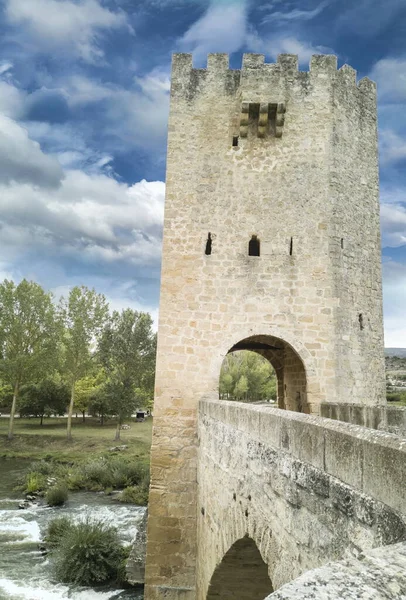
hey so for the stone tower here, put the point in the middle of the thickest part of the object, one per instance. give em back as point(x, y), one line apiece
point(271, 243)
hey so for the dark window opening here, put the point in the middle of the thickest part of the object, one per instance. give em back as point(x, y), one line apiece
point(342, 243)
point(235, 141)
point(361, 321)
point(208, 245)
point(254, 246)
point(291, 247)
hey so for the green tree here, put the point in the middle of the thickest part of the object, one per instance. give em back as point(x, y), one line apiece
point(29, 333)
point(85, 390)
point(84, 315)
point(247, 375)
point(127, 350)
point(48, 397)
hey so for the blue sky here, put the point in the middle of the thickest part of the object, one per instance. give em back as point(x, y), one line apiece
point(83, 108)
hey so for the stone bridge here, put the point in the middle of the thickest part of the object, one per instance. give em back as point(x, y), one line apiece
point(280, 493)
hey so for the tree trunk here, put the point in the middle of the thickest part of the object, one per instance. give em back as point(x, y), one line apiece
point(102, 419)
point(12, 412)
point(83, 415)
point(42, 416)
point(117, 436)
point(70, 411)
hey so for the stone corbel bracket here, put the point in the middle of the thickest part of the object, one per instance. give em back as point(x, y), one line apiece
point(267, 113)
point(280, 119)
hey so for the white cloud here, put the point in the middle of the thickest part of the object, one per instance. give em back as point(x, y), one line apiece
point(222, 28)
point(292, 15)
point(272, 46)
point(22, 160)
point(12, 99)
point(91, 217)
point(390, 75)
point(393, 222)
point(394, 278)
point(136, 115)
point(65, 24)
point(392, 147)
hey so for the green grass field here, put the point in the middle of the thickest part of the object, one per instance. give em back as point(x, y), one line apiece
point(89, 439)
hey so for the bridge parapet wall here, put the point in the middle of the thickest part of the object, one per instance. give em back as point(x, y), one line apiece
point(306, 489)
point(378, 574)
point(384, 417)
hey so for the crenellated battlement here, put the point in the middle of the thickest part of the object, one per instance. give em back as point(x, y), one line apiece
point(323, 66)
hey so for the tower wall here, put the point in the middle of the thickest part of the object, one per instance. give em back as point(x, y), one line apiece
point(289, 157)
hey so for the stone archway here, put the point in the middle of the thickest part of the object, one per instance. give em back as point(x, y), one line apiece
point(241, 574)
point(288, 365)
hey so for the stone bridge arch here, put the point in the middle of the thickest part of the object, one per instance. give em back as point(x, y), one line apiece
point(292, 361)
point(242, 574)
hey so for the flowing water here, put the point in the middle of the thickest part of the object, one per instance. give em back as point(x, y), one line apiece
point(25, 574)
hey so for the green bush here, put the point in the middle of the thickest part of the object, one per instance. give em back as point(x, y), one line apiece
point(135, 494)
point(396, 397)
point(57, 495)
point(89, 553)
point(43, 467)
point(34, 482)
point(57, 529)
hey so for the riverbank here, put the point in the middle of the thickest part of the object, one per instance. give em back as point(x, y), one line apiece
point(36, 442)
point(25, 573)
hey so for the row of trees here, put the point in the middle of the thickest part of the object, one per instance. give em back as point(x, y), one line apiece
point(73, 354)
point(247, 377)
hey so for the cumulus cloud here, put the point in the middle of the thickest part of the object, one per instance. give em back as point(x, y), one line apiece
point(65, 24)
point(393, 222)
point(288, 16)
point(390, 75)
point(223, 28)
point(93, 217)
point(22, 160)
point(392, 146)
point(394, 278)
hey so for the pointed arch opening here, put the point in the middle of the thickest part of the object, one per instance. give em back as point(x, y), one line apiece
point(241, 574)
point(247, 380)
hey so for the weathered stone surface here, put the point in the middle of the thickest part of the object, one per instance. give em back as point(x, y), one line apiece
point(299, 515)
point(136, 561)
point(379, 574)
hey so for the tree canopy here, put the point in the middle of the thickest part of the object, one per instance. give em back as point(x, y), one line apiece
point(29, 330)
point(248, 377)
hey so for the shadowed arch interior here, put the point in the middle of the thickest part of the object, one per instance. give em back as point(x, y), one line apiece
point(289, 368)
point(241, 574)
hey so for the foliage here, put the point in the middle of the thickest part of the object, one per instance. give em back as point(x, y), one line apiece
point(135, 494)
point(86, 389)
point(57, 529)
point(35, 482)
point(88, 553)
point(57, 495)
point(127, 349)
point(84, 314)
point(247, 376)
point(46, 398)
point(399, 397)
point(28, 336)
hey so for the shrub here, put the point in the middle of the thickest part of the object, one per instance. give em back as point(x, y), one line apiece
point(34, 482)
point(135, 494)
point(57, 529)
point(89, 553)
point(43, 467)
point(57, 495)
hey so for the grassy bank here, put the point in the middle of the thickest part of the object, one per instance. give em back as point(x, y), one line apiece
point(89, 438)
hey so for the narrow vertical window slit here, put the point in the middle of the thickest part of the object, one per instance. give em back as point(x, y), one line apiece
point(208, 245)
point(235, 141)
point(291, 247)
point(254, 246)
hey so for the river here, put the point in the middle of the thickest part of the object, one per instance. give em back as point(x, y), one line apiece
point(25, 573)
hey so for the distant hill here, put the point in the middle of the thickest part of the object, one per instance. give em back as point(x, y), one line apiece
point(401, 352)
